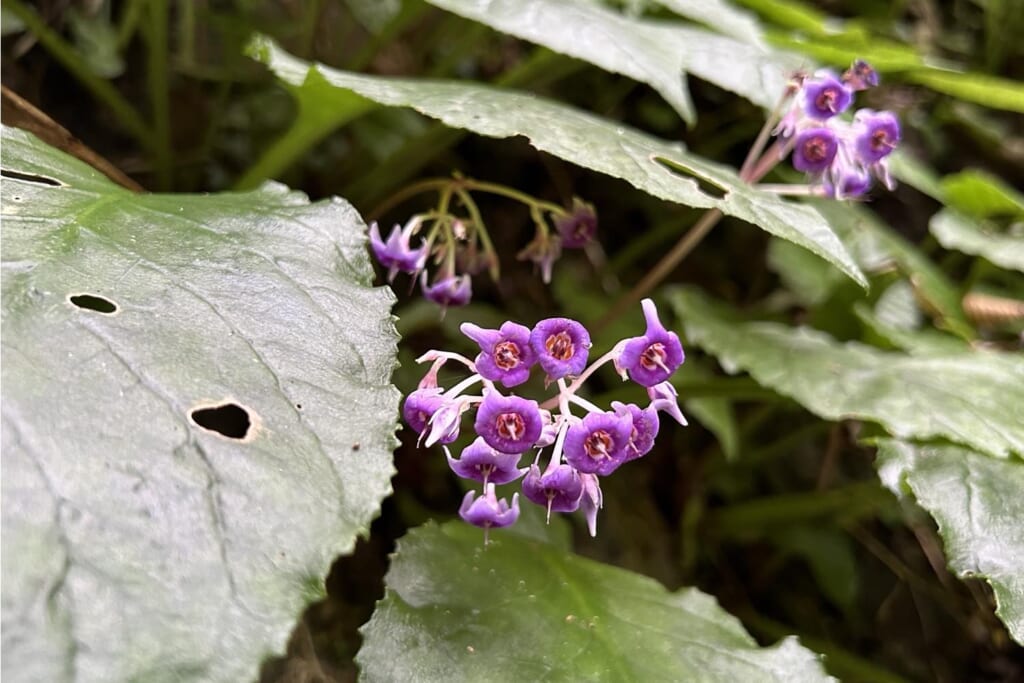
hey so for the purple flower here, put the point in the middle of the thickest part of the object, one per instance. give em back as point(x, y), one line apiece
point(578, 227)
point(481, 462)
point(848, 183)
point(549, 432)
point(645, 428)
point(562, 346)
point(652, 358)
point(559, 489)
point(487, 511)
point(814, 150)
point(877, 133)
point(543, 250)
point(592, 501)
point(508, 423)
point(505, 355)
point(599, 444)
point(664, 397)
point(395, 254)
point(860, 76)
point(445, 423)
point(825, 96)
point(454, 290)
point(420, 407)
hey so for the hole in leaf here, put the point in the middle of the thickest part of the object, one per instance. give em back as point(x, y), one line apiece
point(708, 187)
point(93, 303)
point(30, 178)
point(230, 420)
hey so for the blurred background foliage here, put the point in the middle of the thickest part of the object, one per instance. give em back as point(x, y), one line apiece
point(776, 512)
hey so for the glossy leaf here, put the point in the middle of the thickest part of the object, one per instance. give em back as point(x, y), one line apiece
point(955, 231)
point(657, 53)
point(521, 610)
point(978, 506)
point(972, 397)
point(586, 140)
point(721, 16)
point(137, 544)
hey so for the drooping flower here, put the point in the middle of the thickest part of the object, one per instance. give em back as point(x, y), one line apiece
point(562, 346)
point(577, 228)
point(825, 96)
point(558, 489)
point(481, 462)
point(814, 150)
point(877, 135)
point(591, 501)
point(420, 406)
point(454, 290)
point(508, 423)
point(599, 443)
point(445, 423)
point(488, 511)
point(665, 398)
point(860, 76)
point(505, 354)
point(543, 250)
point(653, 357)
point(396, 254)
point(644, 430)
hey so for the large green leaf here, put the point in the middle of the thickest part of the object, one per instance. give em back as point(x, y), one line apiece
point(138, 545)
point(979, 507)
point(955, 231)
point(721, 16)
point(585, 140)
point(522, 610)
point(973, 397)
point(654, 52)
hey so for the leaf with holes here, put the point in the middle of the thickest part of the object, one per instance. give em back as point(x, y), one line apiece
point(585, 140)
point(658, 53)
point(972, 397)
point(197, 419)
point(522, 610)
point(978, 506)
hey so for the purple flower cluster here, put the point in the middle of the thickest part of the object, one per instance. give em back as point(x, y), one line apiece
point(840, 155)
point(584, 448)
point(461, 248)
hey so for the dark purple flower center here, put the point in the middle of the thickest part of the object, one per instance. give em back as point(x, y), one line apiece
point(826, 99)
point(597, 444)
point(510, 426)
point(816, 149)
point(506, 355)
point(880, 140)
point(560, 346)
point(653, 356)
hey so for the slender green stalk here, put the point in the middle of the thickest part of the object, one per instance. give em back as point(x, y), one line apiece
point(102, 90)
point(494, 267)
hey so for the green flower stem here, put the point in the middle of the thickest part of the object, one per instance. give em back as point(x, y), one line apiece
point(764, 134)
point(102, 90)
point(494, 267)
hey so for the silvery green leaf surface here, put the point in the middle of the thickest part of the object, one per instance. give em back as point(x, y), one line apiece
point(658, 53)
point(586, 140)
point(978, 506)
point(137, 544)
point(721, 16)
point(972, 397)
point(953, 230)
point(523, 610)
